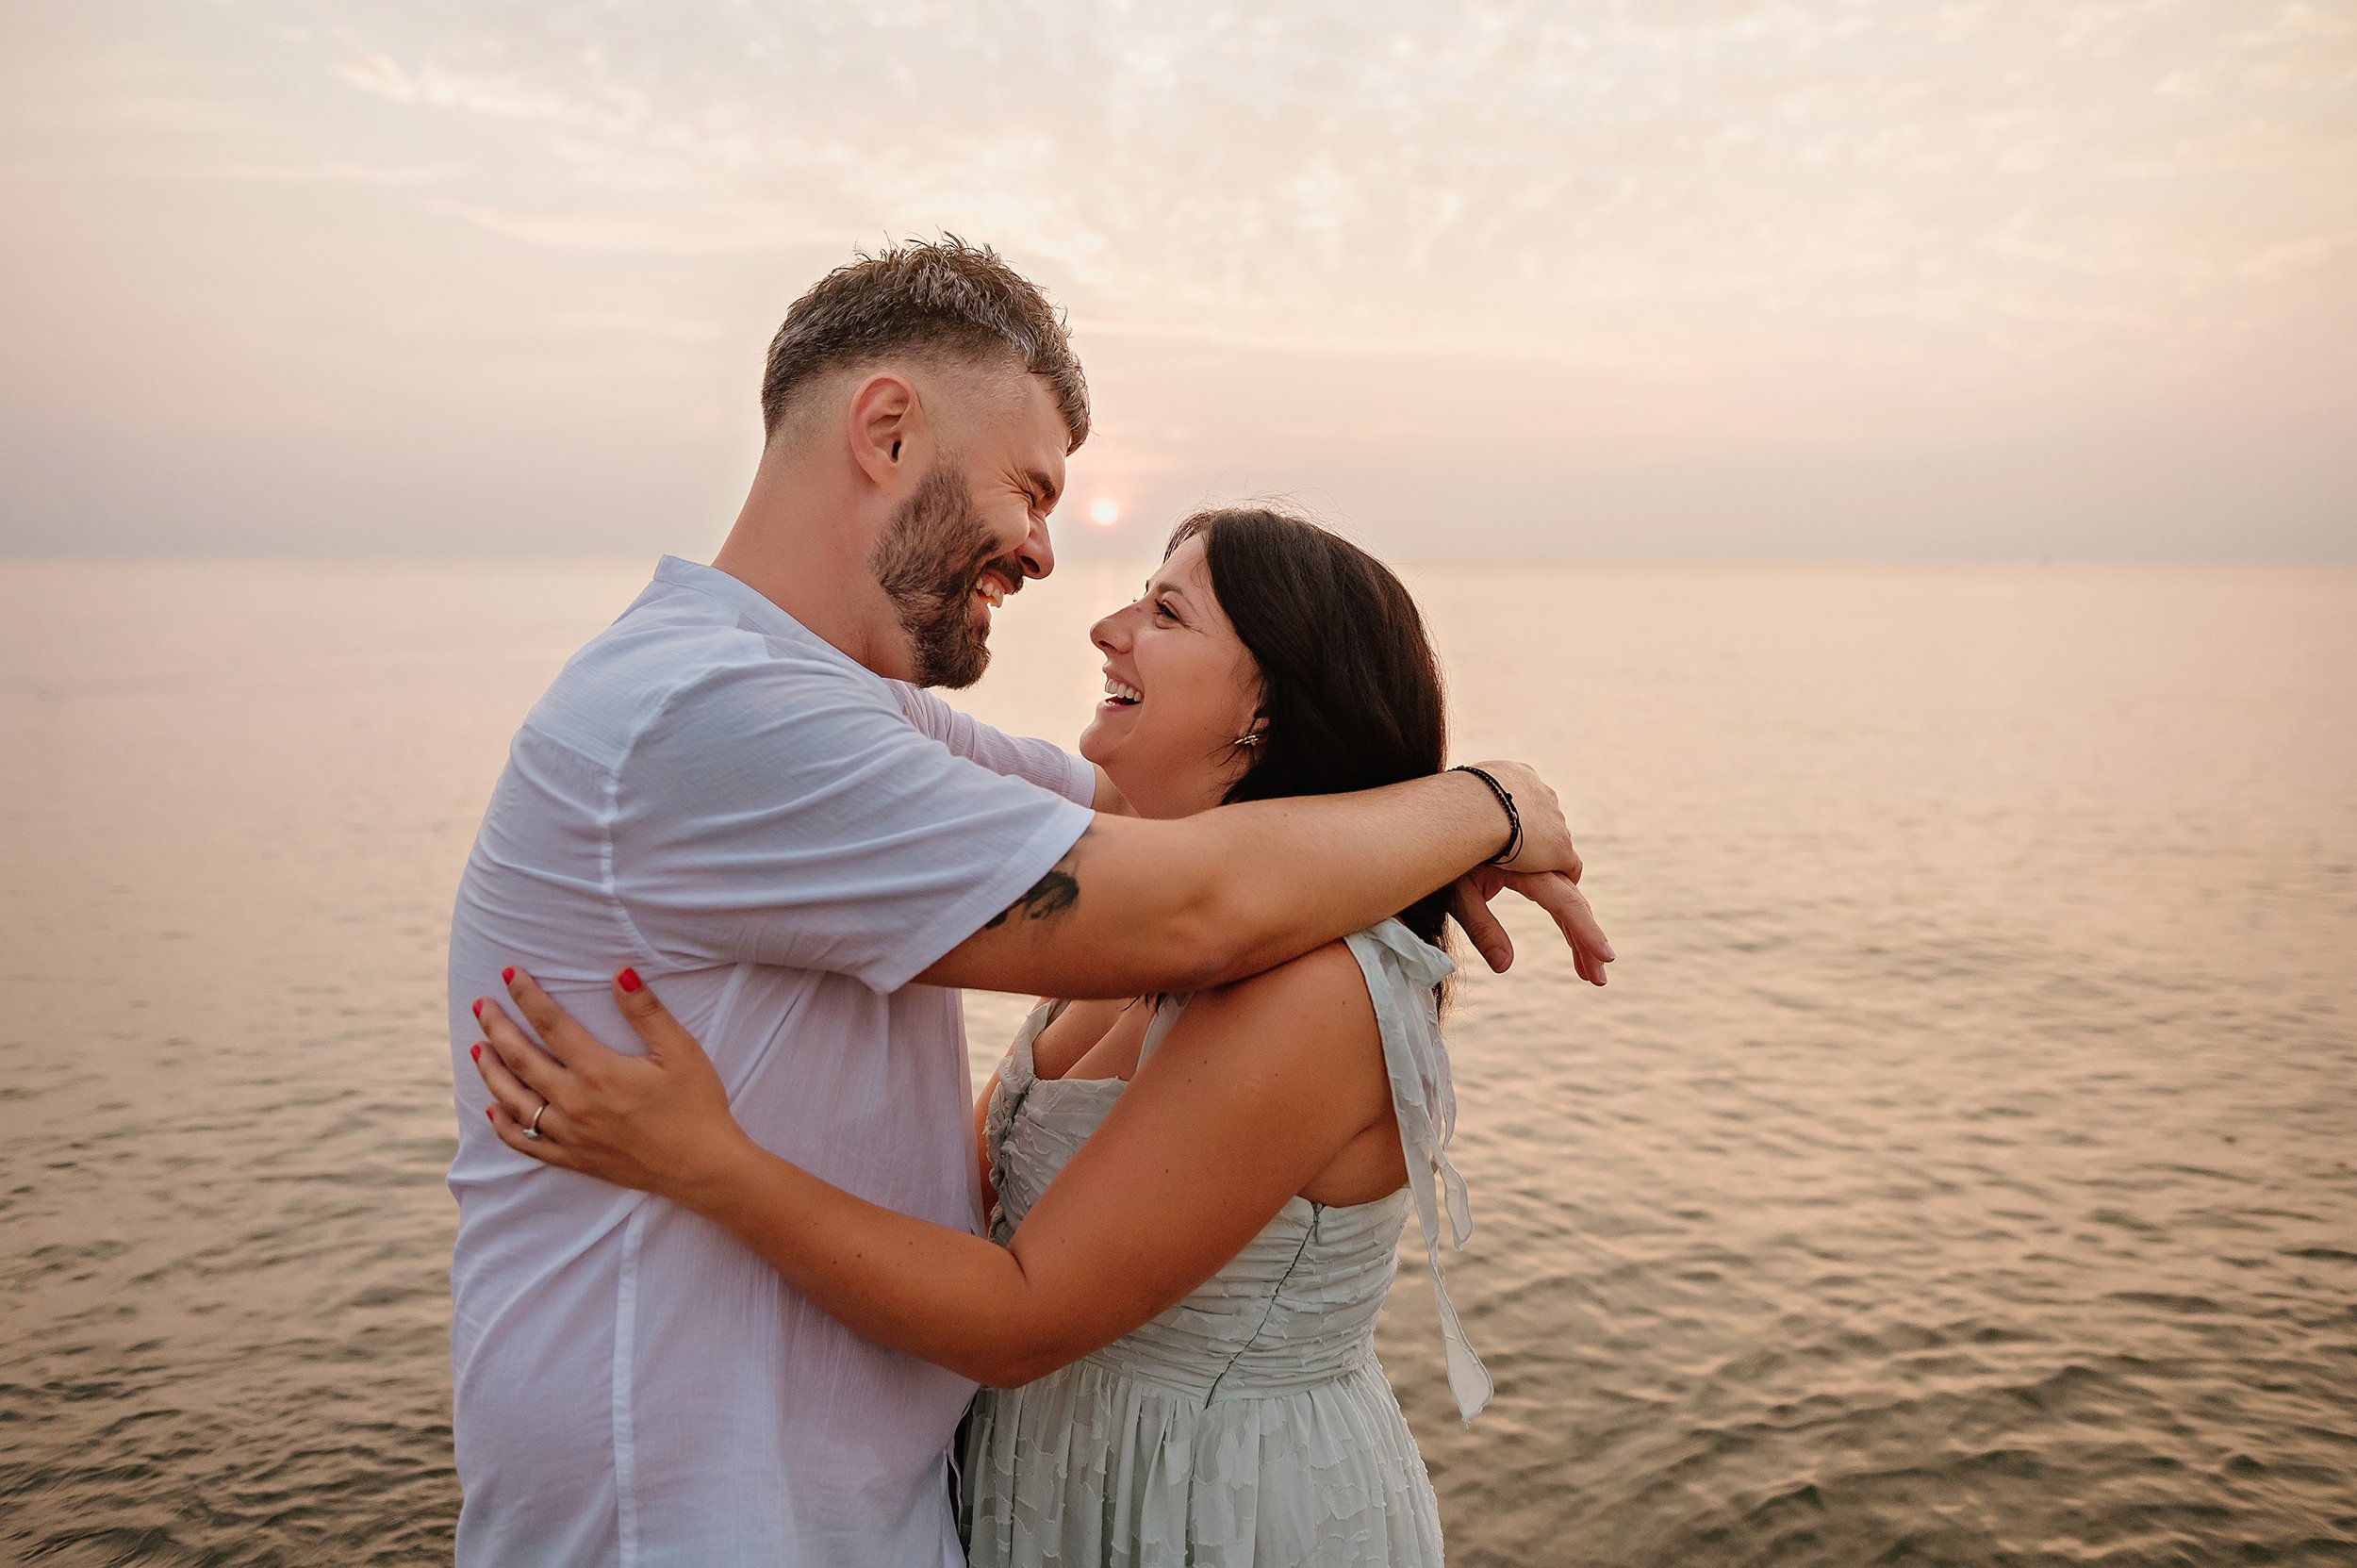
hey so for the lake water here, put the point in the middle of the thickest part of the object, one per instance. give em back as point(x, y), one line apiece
point(1961, 1167)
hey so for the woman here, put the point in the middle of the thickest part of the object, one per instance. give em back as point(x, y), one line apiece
point(1194, 1201)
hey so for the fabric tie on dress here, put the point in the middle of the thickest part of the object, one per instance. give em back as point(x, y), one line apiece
point(1425, 1101)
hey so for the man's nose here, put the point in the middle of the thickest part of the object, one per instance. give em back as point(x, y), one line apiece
point(1037, 551)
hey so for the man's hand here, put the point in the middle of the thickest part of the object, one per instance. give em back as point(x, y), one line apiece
point(1551, 891)
point(1546, 844)
point(1545, 869)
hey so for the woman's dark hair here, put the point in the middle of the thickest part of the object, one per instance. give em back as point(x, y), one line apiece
point(1350, 692)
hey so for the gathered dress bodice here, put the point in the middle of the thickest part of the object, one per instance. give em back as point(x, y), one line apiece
point(1296, 1307)
point(1250, 1422)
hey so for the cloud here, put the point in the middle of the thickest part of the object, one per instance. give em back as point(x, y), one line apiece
point(2293, 257)
point(342, 174)
point(1695, 220)
point(506, 97)
point(1336, 171)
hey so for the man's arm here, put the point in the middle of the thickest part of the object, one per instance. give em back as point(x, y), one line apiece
point(780, 815)
point(1108, 799)
point(1183, 905)
point(1040, 762)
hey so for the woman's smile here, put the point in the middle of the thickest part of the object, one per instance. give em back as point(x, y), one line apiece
point(1119, 693)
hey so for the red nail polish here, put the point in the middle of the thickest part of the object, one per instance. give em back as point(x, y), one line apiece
point(478, 1007)
point(630, 980)
point(508, 974)
point(475, 1051)
point(490, 1114)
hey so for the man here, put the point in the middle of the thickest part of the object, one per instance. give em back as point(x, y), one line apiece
point(738, 788)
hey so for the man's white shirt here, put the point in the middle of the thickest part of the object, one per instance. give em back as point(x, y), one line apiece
point(780, 840)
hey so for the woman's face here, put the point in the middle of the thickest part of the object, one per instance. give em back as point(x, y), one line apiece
point(1179, 688)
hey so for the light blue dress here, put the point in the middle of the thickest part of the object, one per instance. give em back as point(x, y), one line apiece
point(1249, 1424)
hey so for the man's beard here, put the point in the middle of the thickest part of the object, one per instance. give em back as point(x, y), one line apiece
point(929, 562)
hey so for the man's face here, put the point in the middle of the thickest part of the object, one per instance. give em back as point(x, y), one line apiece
point(973, 530)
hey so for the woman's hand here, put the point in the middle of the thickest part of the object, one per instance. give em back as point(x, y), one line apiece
point(658, 1122)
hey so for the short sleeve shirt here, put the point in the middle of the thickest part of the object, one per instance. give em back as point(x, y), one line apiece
point(781, 841)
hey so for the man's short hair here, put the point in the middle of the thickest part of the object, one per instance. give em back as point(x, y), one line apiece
point(943, 300)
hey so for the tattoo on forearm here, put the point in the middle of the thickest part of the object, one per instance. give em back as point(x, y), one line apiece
point(1050, 897)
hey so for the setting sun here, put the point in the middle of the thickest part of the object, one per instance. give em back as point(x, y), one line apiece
point(1104, 511)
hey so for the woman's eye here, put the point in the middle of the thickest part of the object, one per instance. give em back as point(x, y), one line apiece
point(1162, 607)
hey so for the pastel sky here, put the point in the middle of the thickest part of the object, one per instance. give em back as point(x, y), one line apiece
point(1680, 278)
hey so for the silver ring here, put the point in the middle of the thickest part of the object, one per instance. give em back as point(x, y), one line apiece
point(534, 1131)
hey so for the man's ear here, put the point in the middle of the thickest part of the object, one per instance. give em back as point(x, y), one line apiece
point(886, 428)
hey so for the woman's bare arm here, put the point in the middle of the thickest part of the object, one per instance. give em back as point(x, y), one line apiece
point(981, 1143)
point(1255, 1091)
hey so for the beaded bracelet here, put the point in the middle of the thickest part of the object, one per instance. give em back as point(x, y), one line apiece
point(1514, 818)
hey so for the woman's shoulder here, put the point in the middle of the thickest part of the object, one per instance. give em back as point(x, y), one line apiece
point(1346, 970)
point(1319, 999)
point(1330, 970)
point(1308, 1034)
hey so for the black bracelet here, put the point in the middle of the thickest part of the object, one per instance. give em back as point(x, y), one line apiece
point(1514, 818)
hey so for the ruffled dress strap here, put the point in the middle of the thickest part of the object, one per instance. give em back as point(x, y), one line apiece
point(1166, 1009)
point(1401, 971)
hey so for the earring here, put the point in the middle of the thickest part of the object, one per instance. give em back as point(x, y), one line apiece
point(1250, 738)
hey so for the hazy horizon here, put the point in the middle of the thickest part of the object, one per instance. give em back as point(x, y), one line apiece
point(1718, 280)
